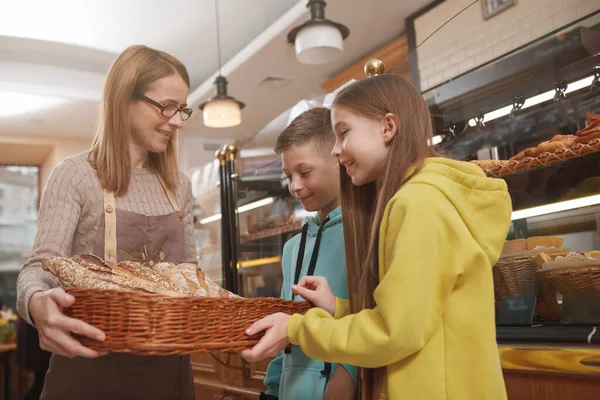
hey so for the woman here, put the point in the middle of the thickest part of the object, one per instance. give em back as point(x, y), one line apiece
point(31, 358)
point(421, 321)
point(122, 200)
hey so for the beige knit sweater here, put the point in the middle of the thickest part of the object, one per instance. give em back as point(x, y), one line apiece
point(70, 213)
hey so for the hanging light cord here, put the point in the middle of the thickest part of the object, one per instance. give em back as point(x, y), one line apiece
point(445, 23)
point(218, 36)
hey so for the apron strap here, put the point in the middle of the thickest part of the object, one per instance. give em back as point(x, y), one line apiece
point(170, 195)
point(110, 227)
point(110, 220)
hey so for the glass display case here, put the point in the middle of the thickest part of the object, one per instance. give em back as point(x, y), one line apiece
point(256, 216)
point(534, 97)
point(520, 97)
point(531, 116)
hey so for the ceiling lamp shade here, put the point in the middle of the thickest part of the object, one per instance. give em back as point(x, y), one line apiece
point(222, 111)
point(318, 40)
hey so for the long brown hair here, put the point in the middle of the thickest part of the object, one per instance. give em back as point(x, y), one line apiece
point(363, 206)
point(134, 70)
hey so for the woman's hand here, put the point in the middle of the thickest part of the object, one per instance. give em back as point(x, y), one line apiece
point(274, 340)
point(55, 328)
point(316, 290)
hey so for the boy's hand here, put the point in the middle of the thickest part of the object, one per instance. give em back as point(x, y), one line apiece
point(341, 386)
point(316, 290)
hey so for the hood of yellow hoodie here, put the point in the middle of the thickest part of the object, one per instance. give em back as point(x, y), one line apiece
point(483, 203)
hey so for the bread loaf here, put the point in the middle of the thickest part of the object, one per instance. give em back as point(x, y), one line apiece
point(515, 246)
point(189, 273)
point(544, 241)
point(89, 271)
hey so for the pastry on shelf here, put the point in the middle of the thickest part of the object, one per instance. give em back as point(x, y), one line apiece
point(492, 168)
point(534, 245)
point(587, 187)
point(514, 246)
point(544, 241)
point(557, 145)
point(559, 148)
point(271, 227)
point(484, 164)
point(592, 131)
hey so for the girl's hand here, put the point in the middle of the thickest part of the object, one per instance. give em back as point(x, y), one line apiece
point(55, 328)
point(316, 290)
point(274, 340)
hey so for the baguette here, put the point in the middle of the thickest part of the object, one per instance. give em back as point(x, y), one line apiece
point(72, 274)
point(138, 272)
point(173, 275)
point(189, 273)
point(89, 271)
point(213, 289)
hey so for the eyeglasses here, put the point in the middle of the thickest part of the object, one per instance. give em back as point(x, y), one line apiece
point(167, 110)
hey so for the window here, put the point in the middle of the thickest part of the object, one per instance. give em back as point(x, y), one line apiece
point(18, 189)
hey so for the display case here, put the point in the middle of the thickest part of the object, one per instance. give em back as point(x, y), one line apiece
point(261, 218)
point(243, 216)
point(531, 116)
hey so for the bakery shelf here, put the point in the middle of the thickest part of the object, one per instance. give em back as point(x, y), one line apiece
point(574, 178)
point(560, 334)
point(247, 238)
point(555, 165)
point(272, 244)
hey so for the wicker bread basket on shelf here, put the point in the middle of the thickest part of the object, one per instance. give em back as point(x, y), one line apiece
point(516, 274)
point(149, 324)
point(573, 279)
point(571, 272)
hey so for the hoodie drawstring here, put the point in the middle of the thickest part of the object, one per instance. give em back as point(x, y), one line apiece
point(311, 270)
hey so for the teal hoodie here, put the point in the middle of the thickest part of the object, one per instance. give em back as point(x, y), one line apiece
point(294, 376)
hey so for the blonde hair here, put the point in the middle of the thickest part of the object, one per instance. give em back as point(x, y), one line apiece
point(134, 70)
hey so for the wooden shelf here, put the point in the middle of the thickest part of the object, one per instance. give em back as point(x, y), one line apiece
point(394, 56)
point(247, 238)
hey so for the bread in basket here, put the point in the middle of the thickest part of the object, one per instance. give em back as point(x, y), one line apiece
point(160, 310)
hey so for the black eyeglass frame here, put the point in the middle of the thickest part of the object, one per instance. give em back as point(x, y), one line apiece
point(186, 112)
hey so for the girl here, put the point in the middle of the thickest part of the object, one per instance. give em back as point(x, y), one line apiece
point(128, 183)
point(422, 234)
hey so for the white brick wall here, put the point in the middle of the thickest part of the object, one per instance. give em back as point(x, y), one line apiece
point(469, 40)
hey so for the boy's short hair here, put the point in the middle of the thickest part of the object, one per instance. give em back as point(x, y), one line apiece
point(313, 125)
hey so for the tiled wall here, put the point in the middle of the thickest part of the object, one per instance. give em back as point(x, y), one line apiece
point(469, 40)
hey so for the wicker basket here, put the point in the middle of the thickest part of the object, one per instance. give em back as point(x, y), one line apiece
point(517, 276)
point(148, 324)
point(514, 276)
point(573, 279)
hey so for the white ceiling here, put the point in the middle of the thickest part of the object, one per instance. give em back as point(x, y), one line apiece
point(63, 49)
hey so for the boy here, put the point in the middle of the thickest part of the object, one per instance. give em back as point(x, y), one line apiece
point(313, 179)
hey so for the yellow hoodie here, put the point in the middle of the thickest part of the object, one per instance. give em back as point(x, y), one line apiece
point(433, 326)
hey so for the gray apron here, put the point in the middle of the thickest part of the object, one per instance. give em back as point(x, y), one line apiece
point(128, 236)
